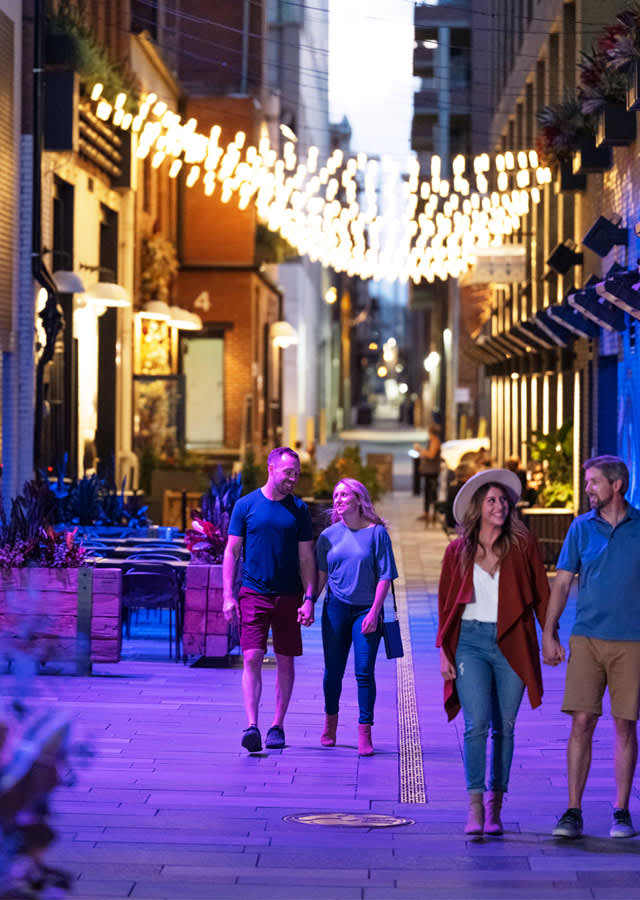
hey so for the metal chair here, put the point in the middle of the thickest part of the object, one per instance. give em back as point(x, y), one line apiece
point(158, 553)
point(153, 585)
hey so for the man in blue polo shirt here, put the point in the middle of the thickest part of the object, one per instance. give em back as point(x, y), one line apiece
point(602, 547)
point(275, 528)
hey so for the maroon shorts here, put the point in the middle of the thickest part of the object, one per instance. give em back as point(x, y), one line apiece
point(259, 612)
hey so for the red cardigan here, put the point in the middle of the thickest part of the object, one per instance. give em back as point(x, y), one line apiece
point(523, 590)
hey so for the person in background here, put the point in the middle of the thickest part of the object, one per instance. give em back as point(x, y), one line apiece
point(492, 585)
point(429, 468)
point(601, 547)
point(514, 465)
point(274, 527)
point(355, 562)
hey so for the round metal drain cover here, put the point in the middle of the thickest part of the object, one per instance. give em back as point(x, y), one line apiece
point(351, 820)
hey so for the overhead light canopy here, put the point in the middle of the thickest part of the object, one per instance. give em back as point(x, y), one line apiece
point(108, 293)
point(604, 236)
point(283, 334)
point(157, 309)
point(68, 282)
point(184, 320)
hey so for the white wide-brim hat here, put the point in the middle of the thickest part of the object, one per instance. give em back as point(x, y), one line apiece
point(504, 477)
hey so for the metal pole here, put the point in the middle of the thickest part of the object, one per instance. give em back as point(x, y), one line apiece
point(244, 75)
point(451, 427)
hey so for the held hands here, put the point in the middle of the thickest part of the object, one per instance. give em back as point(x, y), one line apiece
point(229, 608)
point(553, 653)
point(307, 613)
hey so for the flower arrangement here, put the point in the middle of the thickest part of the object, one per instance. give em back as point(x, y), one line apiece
point(207, 537)
point(600, 82)
point(561, 125)
point(27, 537)
point(205, 540)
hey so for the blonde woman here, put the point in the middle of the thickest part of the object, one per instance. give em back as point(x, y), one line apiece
point(355, 562)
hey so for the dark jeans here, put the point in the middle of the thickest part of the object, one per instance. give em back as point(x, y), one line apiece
point(430, 491)
point(341, 627)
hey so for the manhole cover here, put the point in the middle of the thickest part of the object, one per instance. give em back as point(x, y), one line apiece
point(352, 820)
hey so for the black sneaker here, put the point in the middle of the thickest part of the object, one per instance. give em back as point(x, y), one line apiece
point(251, 739)
point(621, 827)
point(275, 738)
point(570, 824)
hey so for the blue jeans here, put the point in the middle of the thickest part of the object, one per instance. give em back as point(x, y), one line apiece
point(341, 627)
point(490, 694)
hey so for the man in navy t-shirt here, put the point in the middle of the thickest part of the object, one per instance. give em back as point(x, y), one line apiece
point(275, 529)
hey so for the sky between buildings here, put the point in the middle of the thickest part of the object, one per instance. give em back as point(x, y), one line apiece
point(370, 73)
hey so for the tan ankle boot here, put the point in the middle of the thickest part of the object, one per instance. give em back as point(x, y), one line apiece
point(494, 806)
point(328, 736)
point(365, 747)
point(475, 819)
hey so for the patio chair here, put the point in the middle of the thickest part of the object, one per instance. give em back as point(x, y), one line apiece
point(153, 585)
point(158, 553)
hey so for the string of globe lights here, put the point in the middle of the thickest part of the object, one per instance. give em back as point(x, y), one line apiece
point(330, 211)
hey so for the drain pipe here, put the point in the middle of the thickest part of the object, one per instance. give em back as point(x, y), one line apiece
point(51, 315)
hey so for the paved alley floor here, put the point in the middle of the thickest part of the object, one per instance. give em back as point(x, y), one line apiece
point(172, 808)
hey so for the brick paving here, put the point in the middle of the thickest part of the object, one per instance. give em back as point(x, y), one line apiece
point(172, 808)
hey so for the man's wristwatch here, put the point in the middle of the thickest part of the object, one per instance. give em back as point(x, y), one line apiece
point(311, 597)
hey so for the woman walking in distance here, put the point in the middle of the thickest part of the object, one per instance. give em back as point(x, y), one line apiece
point(492, 583)
point(355, 561)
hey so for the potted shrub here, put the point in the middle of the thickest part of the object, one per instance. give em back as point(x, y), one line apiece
point(550, 521)
point(40, 587)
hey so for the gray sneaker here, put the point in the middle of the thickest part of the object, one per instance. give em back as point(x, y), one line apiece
point(569, 825)
point(621, 826)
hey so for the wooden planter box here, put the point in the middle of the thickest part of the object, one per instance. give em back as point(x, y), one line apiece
point(206, 631)
point(633, 88)
point(566, 181)
point(550, 527)
point(616, 126)
point(39, 612)
point(588, 158)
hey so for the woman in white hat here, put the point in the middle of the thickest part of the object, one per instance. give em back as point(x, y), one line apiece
point(492, 584)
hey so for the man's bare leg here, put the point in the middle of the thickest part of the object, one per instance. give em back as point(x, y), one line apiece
point(252, 683)
point(579, 755)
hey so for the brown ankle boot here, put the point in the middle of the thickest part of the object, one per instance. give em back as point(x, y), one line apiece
point(365, 747)
point(475, 819)
point(494, 806)
point(328, 736)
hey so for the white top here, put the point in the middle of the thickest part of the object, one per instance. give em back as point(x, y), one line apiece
point(484, 607)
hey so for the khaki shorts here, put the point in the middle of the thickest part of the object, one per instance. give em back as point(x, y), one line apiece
point(593, 666)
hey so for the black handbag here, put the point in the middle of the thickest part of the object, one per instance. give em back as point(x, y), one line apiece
point(391, 632)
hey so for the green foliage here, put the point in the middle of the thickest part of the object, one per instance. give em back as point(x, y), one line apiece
point(347, 464)
point(271, 247)
point(90, 60)
point(554, 451)
point(253, 474)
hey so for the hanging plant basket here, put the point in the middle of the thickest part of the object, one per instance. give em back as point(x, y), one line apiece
point(588, 158)
point(566, 181)
point(616, 126)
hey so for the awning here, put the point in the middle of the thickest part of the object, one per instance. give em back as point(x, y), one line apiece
point(573, 319)
point(597, 309)
point(558, 334)
point(622, 291)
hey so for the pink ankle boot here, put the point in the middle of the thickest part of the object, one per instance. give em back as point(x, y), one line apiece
point(365, 747)
point(328, 736)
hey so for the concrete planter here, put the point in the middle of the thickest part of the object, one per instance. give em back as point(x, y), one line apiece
point(39, 610)
point(206, 631)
